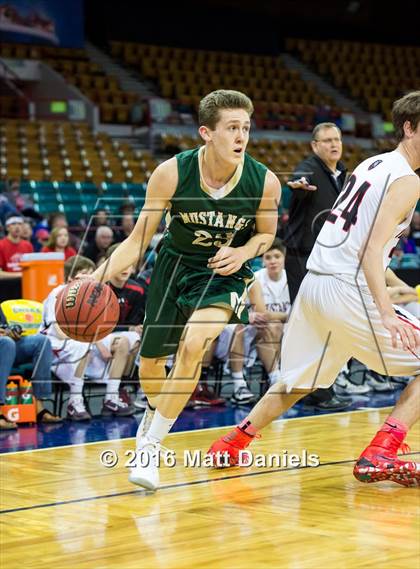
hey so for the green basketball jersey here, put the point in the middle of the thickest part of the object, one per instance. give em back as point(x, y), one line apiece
point(202, 223)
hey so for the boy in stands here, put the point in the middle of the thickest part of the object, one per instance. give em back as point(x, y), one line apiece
point(270, 300)
point(72, 358)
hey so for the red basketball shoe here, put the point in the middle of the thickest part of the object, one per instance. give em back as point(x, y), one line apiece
point(226, 450)
point(379, 461)
point(206, 397)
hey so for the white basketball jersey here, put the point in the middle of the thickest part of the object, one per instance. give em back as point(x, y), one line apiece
point(276, 293)
point(350, 221)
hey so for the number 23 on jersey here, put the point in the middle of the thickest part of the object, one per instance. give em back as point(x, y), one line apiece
point(206, 239)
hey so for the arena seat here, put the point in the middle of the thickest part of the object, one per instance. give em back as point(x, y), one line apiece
point(186, 75)
point(44, 152)
point(374, 74)
point(75, 67)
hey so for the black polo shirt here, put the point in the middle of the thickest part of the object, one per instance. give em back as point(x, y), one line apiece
point(306, 206)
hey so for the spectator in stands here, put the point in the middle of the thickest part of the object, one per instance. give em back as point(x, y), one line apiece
point(126, 336)
point(42, 237)
point(127, 207)
point(101, 216)
point(127, 226)
point(12, 247)
point(14, 195)
point(23, 203)
point(106, 360)
point(6, 208)
point(70, 357)
point(58, 242)
point(316, 183)
point(27, 230)
point(131, 295)
point(270, 301)
point(103, 239)
point(58, 219)
point(15, 350)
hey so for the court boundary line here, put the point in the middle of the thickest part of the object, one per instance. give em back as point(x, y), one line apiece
point(342, 413)
point(143, 492)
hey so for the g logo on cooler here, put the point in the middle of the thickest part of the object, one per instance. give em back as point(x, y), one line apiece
point(13, 414)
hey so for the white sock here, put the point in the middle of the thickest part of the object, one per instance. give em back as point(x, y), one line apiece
point(238, 380)
point(76, 388)
point(160, 427)
point(112, 387)
point(147, 417)
point(274, 376)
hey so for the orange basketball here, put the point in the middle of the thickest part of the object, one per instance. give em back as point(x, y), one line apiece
point(86, 310)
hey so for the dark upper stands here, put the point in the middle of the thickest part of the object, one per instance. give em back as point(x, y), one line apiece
point(374, 74)
point(115, 105)
point(282, 99)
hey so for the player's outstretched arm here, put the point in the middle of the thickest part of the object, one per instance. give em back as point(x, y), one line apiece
point(160, 189)
point(400, 199)
point(229, 260)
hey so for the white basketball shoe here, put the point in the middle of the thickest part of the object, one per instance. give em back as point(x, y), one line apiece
point(145, 473)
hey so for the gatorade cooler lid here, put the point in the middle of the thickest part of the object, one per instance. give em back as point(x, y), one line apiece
point(42, 257)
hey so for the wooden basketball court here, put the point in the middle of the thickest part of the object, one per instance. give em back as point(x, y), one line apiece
point(62, 508)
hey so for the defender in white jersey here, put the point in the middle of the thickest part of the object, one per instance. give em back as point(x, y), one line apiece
point(343, 308)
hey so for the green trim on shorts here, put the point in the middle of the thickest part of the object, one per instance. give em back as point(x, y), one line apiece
point(176, 292)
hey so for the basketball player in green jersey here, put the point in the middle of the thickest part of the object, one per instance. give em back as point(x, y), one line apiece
point(224, 209)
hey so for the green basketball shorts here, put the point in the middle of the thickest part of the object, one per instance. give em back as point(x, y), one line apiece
point(176, 291)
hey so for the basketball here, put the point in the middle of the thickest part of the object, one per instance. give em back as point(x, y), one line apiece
point(87, 311)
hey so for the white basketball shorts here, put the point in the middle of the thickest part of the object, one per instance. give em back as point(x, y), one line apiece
point(332, 321)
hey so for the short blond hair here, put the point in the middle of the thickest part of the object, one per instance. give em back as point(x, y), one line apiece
point(211, 104)
point(406, 108)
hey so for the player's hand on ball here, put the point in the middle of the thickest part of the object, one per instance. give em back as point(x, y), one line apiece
point(228, 260)
point(302, 184)
point(401, 331)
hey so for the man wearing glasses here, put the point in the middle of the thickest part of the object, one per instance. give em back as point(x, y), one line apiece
point(316, 183)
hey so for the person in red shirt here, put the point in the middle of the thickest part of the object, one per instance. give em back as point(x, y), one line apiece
point(12, 247)
point(59, 243)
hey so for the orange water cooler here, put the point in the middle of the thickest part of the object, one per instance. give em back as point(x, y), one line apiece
point(18, 412)
point(41, 273)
